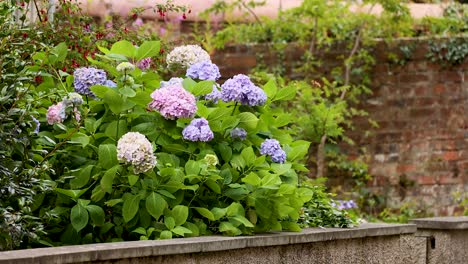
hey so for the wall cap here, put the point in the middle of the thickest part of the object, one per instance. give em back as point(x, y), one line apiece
point(448, 222)
point(134, 249)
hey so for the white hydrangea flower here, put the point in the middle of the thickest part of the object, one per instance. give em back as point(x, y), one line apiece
point(125, 67)
point(187, 55)
point(133, 148)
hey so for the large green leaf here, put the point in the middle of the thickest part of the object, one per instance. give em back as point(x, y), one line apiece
point(270, 88)
point(148, 49)
point(125, 48)
point(205, 213)
point(202, 88)
point(107, 156)
point(155, 204)
point(97, 214)
point(130, 207)
point(82, 177)
point(79, 217)
point(247, 120)
point(180, 213)
point(108, 179)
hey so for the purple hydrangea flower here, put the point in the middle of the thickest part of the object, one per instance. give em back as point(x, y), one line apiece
point(345, 205)
point(198, 130)
point(86, 77)
point(204, 70)
point(272, 148)
point(214, 96)
point(240, 89)
point(173, 102)
point(110, 84)
point(239, 133)
point(173, 81)
point(144, 64)
point(38, 125)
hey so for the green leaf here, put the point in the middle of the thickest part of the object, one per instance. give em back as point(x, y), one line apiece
point(202, 88)
point(108, 179)
point(107, 156)
point(286, 93)
point(125, 48)
point(226, 151)
point(270, 88)
point(97, 214)
point(291, 226)
point(130, 207)
point(299, 150)
point(229, 122)
point(219, 113)
point(189, 84)
point(248, 155)
point(80, 138)
point(113, 202)
point(181, 231)
point(75, 194)
point(180, 213)
point(60, 51)
point(271, 181)
point(247, 120)
point(205, 213)
point(141, 98)
point(99, 90)
point(280, 168)
point(252, 179)
point(238, 162)
point(148, 49)
point(229, 228)
point(140, 230)
point(263, 208)
point(165, 235)
point(79, 217)
point(155, 204)
point(218, 213)
point(127, 91)
point(169, 222)
point(192, 167)
point(132, 179)
point(83, 177)
point(114, 101)
point(242, 220)
point(213, 186)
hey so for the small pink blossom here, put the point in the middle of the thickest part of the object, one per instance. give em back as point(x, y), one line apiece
point(56, 114)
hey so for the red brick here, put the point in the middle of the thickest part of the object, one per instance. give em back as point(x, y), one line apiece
point(451, 155)
point(449, 179)
point(426, 180)
point(421, 112)
point(438, 88)
point(406, 168)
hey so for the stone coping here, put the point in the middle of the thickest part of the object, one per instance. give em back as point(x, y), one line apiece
point(449, 222)
point(134, 249)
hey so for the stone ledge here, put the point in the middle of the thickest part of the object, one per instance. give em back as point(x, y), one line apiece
point(125, 250)
point(450, 222)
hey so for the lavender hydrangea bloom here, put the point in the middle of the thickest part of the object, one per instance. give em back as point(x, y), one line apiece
point(38, 125)
point(110, 84)
point(86, 77)
point(272, 148)
point(144, 64)
point(173, 102)
point(214, 96)
point(239, 133)
point(240, 89)
point(173, 81)
point(198, 130)
point(345, 205)
point(204, 70)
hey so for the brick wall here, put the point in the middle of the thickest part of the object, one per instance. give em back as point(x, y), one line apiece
point(420, 151)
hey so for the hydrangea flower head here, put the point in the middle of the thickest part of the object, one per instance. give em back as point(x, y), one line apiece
point(186, 56)
point(110, 84)
point(214, 96)
point(144, 64)
point(204, 70)
point(74, 99)
point(239, 133)
point(56, 113)
point(173, 102)
point(134, 149)
point(173, 81)
point(272, 148)
point(198, 130)
point(345, 205)
point(240, 89)
point(211, 159)
point(86, 77)
point(125, 67)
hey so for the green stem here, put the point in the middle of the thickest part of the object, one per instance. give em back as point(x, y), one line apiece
point(233, 110)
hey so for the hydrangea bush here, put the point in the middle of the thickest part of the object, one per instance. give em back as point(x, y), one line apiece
point(152, 159)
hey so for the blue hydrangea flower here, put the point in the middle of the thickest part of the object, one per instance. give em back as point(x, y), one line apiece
point(272, 148)
point(239, 133)
point(38, 125)
point(86, 77)
point(110, 84)
point(204, 70)
point(240, 89)
point(198, 130)
point(345, 205)
point(214, 96)
point(173, 81)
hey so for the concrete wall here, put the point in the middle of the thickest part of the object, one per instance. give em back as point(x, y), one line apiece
point(419, 153)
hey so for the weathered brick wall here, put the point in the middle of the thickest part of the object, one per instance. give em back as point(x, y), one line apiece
point(420, 151)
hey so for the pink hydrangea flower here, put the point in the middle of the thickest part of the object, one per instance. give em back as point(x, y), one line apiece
point(56, 114)
point(173, 102)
